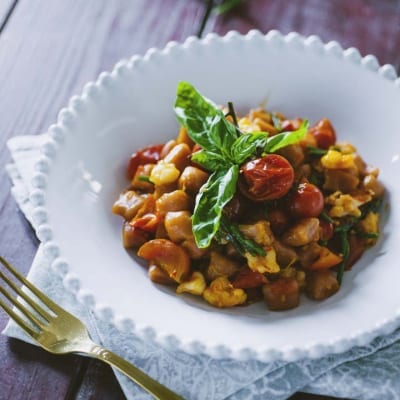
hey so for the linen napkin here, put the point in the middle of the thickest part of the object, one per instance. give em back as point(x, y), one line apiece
point(369, 372)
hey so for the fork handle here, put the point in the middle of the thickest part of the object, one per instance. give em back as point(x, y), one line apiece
point(153, 387)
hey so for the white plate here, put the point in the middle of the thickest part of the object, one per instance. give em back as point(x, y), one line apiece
point(82, 173)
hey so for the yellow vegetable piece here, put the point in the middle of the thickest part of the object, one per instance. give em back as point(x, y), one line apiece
point(345, 204)
point(195, 285)
point(265, 263)
point(164, 173)
point(221, 293)
point(334, 159)
point(245, 125)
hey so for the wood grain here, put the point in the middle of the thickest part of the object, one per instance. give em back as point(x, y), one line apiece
point(372, 26)
point(48, 50)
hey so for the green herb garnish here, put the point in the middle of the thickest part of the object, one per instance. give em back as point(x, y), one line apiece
point(224, 149)
point(326, 217)
point(315, 151)
point(243, 245)
point(368, 235)
point(144, 178)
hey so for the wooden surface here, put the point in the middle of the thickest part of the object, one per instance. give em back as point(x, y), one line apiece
point(50, 48)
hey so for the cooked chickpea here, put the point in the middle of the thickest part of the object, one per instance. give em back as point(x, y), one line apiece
point(192, 179)
point(179, 155)
point(178, 225)
point(177, 200)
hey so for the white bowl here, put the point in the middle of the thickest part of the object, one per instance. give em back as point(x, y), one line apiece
point(82, 172)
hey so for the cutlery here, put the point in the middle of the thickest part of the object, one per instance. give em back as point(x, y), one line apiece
point(59, 332)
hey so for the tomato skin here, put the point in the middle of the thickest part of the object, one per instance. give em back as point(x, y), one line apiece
point(306, 202)
point(147, 155)
point(324, 133)
point(266, 178)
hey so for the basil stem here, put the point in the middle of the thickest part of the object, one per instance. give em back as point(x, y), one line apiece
point(232, 113)
point(315, 151)
point(368, 235)
point(243, 245)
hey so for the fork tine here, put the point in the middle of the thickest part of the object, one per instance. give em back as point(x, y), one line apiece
point(43, 313)
point(28, 314)
point(39, 294)
point(13, 315)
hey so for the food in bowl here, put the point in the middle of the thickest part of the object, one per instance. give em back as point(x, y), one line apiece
point(242, 209)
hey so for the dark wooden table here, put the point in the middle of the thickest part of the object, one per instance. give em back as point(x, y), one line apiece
point(50, 48)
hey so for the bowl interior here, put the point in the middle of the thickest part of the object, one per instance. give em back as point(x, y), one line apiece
point(135, 108)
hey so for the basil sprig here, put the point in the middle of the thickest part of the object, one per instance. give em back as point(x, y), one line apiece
point(224, 149)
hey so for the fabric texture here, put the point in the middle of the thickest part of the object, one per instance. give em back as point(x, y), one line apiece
point(369, 372)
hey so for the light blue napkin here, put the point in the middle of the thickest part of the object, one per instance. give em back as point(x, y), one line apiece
point(370, 372)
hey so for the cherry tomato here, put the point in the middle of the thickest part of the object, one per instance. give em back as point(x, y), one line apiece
point(147, 155)
point(306, 202)
point(266, 178)
point(324, 133)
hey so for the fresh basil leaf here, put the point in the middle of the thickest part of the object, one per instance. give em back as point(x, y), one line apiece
point(247, 145)
point(223, 134)
point(204, 122)
point(283, 139)
point(210, 161)
point(212, 198)
point(196, 114)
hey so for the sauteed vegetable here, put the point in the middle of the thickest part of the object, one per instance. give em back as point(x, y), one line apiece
point(241, 209)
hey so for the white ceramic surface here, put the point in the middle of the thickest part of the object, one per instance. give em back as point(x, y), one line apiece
point(82, 172)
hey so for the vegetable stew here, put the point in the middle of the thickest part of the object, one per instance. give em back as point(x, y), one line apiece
point(238, 209)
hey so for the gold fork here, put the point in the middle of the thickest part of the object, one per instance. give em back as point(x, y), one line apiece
point(59, 332)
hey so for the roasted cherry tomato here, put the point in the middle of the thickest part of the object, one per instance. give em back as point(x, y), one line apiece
point(306, 202)
point(147, 155)
point(324, 133)
point(266, 178)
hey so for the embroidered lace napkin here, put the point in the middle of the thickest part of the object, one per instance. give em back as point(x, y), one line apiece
point(370, 372)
